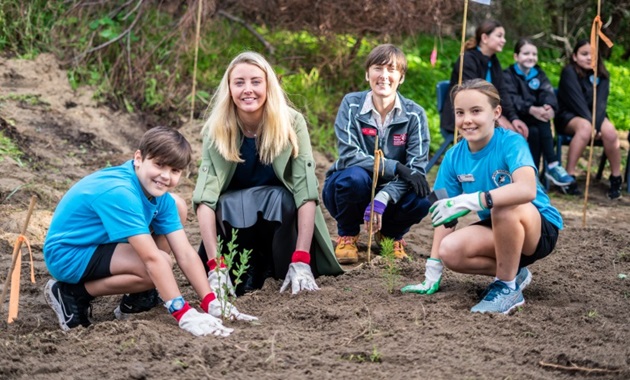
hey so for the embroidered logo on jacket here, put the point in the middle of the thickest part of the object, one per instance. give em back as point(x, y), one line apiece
point(400, 139)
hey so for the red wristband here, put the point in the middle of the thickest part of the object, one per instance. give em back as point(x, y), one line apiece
point(301, 257)
point(212, 264)
point(180, 313)
point(205, 303)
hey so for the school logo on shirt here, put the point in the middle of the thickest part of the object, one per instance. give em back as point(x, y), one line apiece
point(534, 84)
point(400, 139)
point(368, 131)
point(501, 178)
point(591, 78)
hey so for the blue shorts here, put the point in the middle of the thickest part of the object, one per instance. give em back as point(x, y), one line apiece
point(546, 244)
point(99, 265)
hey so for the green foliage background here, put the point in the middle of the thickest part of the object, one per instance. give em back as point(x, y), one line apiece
point(316, 70)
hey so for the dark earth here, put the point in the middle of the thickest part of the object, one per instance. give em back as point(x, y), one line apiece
point(574, 325)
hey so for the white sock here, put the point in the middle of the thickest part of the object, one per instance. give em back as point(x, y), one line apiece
point(433, 270)
point(510, 284)
point(552, 165)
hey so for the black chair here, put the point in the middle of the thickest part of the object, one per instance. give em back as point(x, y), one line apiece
point(441, 90)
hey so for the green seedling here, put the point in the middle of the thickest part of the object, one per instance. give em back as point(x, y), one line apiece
point(237, 269)
point(391, 271)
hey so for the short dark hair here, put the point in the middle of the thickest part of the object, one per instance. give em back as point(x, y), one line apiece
point(522, 42)
point(167, 146)
point(384, 54)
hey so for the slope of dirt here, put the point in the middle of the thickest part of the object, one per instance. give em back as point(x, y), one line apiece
point(574, 324)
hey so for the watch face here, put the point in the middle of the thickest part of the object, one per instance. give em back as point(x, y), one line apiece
point(178, 304)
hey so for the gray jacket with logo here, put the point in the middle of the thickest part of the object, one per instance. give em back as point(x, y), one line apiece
point(406, 140)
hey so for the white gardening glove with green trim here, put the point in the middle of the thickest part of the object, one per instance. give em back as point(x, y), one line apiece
point(449, 209)
point(432, 279)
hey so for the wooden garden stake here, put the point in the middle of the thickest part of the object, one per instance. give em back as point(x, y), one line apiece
point(13, 274)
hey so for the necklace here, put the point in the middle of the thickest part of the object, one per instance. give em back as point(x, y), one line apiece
point(248, 132)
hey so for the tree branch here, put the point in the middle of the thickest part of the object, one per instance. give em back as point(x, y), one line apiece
point(268, 46)
point(118, 37)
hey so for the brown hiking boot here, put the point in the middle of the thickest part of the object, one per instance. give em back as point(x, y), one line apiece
point(399, 249)
point(347, 251)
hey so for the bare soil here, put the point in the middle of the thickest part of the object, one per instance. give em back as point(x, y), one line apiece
point(575, 323)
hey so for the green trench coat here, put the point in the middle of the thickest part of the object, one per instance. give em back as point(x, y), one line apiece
point(297, 175)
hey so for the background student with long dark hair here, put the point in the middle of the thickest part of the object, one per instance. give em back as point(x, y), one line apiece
point(575, 101)
point(480, 61)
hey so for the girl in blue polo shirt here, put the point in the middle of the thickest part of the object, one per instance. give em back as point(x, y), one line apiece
point(491, 172)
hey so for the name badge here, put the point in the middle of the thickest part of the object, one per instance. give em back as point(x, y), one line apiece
point(368, 131)
point(466, 178)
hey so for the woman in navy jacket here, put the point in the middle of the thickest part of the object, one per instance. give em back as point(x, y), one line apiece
point(575, 99)
point(535, 103)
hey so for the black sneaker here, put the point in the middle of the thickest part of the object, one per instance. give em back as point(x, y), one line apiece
point(615, 188)
point(572, 188)
point(135, 303)
point(71, 311)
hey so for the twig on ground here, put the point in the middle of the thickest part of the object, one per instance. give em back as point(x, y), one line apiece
point(573, 367)
point(272, 356)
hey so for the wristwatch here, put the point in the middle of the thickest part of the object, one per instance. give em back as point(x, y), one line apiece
point(489, 202)
point(175, 304)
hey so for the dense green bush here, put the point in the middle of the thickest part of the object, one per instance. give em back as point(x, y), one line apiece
point(316, 70)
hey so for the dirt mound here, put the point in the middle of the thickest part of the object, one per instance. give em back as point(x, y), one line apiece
point(359, 325)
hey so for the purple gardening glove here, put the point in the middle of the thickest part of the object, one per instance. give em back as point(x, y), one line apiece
point(379, 209)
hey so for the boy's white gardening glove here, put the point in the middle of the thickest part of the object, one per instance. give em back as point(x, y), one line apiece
point(200, 324)
point(219, 279)
point(213, 306)
point(432, 279)
point(447, 210)
point(299, 274)
point(196, 323)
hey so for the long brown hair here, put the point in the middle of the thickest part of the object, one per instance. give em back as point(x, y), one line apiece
point(581, 72)
point(484, 87)
point(486, 27)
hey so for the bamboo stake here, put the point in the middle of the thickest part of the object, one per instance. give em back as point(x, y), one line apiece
point(194, 83)
point(377, 159)
point(16, 251)
point(461, 57)
point(595, 34)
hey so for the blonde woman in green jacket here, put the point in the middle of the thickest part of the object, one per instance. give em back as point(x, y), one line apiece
point(257, 175)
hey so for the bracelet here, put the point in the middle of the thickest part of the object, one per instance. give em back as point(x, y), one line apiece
point(489, 202)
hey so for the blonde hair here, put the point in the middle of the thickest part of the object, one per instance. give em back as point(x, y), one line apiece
point(276, 130)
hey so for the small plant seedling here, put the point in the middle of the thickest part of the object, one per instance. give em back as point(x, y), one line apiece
point(237, 269)
point(592, 314)
point(391, 271)
point(375, 356)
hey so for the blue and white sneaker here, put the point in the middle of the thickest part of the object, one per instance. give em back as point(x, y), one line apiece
point(523, 278)
point(558, 176)
point(499, 299)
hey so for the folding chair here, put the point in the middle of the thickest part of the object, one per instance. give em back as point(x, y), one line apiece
point(441, 90)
